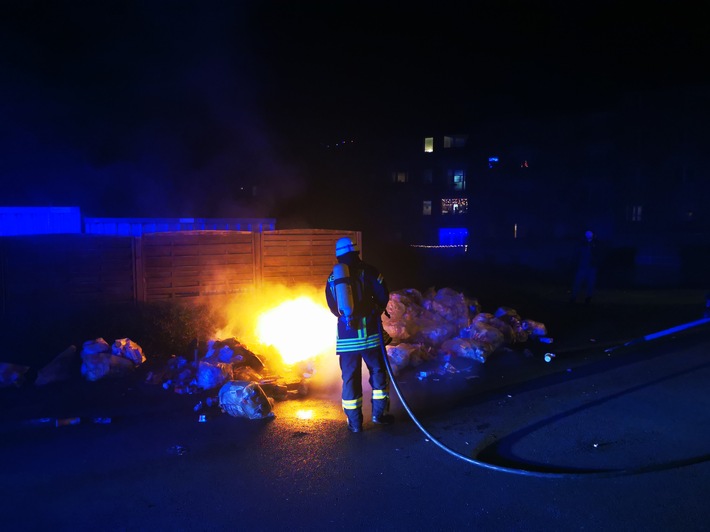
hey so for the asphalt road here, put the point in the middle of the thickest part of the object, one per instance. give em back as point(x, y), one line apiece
point(593, 440)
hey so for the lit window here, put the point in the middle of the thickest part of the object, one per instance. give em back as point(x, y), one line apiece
point(454, 205)
point(426, 210)
point(458, 180)
point(400, 177)
point(428, 144)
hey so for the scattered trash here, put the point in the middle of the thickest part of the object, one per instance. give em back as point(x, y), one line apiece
point(448, 368)
point(445, 322)
point(546, 340)
point(12, 374)
point(99, 360)
point(177, 450)
point(59, 369)
point(127, 348)
point(535, 328)
point(63, 422)
point(549, 357)
point(202, 418)
point(101, 420)
point(245, 399)
point(40, 422)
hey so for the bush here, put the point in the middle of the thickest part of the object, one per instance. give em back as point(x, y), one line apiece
point(171, 328)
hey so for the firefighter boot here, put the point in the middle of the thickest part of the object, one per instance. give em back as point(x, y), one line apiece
point(380, 407)
point(354, 419)
point(383, 419)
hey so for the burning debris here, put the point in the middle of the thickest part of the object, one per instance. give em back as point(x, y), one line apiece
point(246, 386)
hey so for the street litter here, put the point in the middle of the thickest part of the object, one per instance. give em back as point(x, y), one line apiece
point(177, 450)
point(100, 360)
point(245, 399)
point(63, 422)
point(439, 323)
point(12, 374)
point(59, 369)
point(228, 361)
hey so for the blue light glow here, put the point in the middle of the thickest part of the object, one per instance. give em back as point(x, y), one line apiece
point(39, 220)
point(453, 236)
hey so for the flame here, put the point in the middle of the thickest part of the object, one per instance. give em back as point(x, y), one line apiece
point(304, 414)
point(299, 329)
point(293, 322)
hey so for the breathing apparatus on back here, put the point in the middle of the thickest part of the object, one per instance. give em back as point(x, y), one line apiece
point(344, 293)
point(342, 281)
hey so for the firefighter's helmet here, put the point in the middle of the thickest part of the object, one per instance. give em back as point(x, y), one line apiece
point(345, 245)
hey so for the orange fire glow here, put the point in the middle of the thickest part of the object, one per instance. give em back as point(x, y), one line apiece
point(299, 329)
point(293, 321)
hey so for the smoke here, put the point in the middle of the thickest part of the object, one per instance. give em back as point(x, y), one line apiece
point(136, 109)
point(307, 331)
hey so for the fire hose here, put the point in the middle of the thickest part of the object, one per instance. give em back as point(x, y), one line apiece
point(527, 472)
point(659, 334)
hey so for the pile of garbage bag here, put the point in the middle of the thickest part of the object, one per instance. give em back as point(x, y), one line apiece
point(225, 360)
point(99, 359)
point(245, 399)
point(245, 390)
point(446, 322)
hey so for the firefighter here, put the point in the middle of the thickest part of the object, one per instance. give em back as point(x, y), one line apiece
point(357, 294)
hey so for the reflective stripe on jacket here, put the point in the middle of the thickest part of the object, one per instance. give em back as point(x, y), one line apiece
point(370, 296)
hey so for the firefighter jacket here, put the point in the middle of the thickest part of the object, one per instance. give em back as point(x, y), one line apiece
point(370, 297)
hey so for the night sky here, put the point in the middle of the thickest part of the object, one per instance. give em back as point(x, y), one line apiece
point(177, 108)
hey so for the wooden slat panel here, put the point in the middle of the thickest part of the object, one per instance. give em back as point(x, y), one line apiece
point(300, 256)
point(53, 269)
point(198, 263)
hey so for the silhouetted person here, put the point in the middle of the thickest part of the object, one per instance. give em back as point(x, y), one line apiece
point(359, 332)
point(587, 263)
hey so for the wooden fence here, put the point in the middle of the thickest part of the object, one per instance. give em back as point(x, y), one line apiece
point(55, 269)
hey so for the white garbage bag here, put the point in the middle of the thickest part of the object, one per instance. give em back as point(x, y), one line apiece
point(245, 399)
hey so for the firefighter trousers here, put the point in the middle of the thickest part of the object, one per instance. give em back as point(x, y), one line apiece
point(351, 370)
